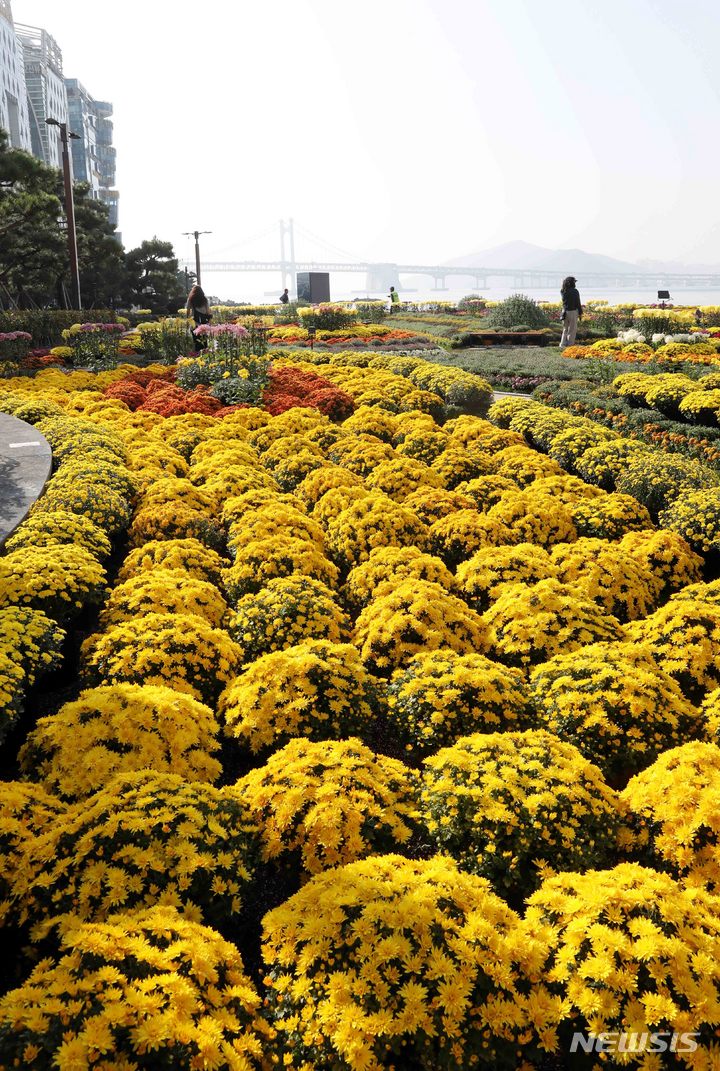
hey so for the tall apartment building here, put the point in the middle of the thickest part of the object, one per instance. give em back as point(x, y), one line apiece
point(13, 95)
point(93, 153)
point(107, 156)
point(82, 120)
point(47, 98)
point(33, 89)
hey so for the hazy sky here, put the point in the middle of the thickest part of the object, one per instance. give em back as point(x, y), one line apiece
point(408, 129)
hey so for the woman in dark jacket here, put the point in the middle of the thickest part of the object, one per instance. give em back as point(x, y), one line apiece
point(197, 307)
point(572, 311)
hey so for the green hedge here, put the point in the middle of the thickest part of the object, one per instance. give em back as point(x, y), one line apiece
point(47, 325)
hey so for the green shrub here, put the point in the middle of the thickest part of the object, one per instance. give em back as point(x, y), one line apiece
point(287, 314)
point(371, 312)
point(471, 303)
point(237, 391)
point(518, 311)
point(659, 325)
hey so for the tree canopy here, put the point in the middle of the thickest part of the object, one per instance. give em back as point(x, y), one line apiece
point(152, 276)
point(32, 245)
point(34, 268)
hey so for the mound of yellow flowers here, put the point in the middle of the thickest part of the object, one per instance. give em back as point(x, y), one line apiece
point(333, 802)
point(631, 950)
point(506, 805)
point(388, 963)
point(674, 812)
point(121, 728)
point(149, 988)
point(145, 839)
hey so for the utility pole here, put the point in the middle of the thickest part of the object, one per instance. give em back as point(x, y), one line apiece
point(65, 135)
point(196, 236)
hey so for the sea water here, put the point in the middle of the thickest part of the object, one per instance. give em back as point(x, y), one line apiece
point(258, 289)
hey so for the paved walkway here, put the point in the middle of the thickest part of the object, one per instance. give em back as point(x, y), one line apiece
point(498, 394)
point(25, 464)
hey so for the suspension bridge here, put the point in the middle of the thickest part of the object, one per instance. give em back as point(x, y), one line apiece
point(380, 276)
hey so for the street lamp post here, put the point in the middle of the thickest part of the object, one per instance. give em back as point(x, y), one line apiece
point(196, 236)
point(65, 135)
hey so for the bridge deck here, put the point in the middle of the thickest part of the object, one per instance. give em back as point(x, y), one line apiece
point(519, 276)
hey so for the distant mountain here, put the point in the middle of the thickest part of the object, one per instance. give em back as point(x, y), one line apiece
point(508, 255)
point(536, 258)
point(527, 257)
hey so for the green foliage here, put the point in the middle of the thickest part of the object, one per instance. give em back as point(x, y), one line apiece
point(95, 350)
point(47, 325)
point(238, 391)
point(371, 312)
point(500, 363)
point(602, 368)
point(607, 324)
point(33, 251)
point(167, 339)
point(15, 349)
point(34, 269)
point(32, 246)
point(101, 258)
point(659, 325)
point(472, 303)
point(286, 314)
point(517, 310)
point(152, 277)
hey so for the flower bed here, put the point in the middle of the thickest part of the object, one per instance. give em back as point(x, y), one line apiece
point(358, 337)
point(14, 345)
point(643, 347)
point(646, 927)
point(607, 407)
point(344, 679)
point(93, 345)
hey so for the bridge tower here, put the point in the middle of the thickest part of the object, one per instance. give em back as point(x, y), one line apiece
point(380, 277)
point(287, 263)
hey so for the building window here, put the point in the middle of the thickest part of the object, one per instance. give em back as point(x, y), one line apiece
point(14, 120)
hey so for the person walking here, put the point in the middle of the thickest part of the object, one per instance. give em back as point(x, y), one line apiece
point(394, 299)
point(572, 311)
point(285, 297)
point(197, 307)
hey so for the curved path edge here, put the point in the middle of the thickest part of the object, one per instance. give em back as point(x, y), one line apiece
point(25, 466)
